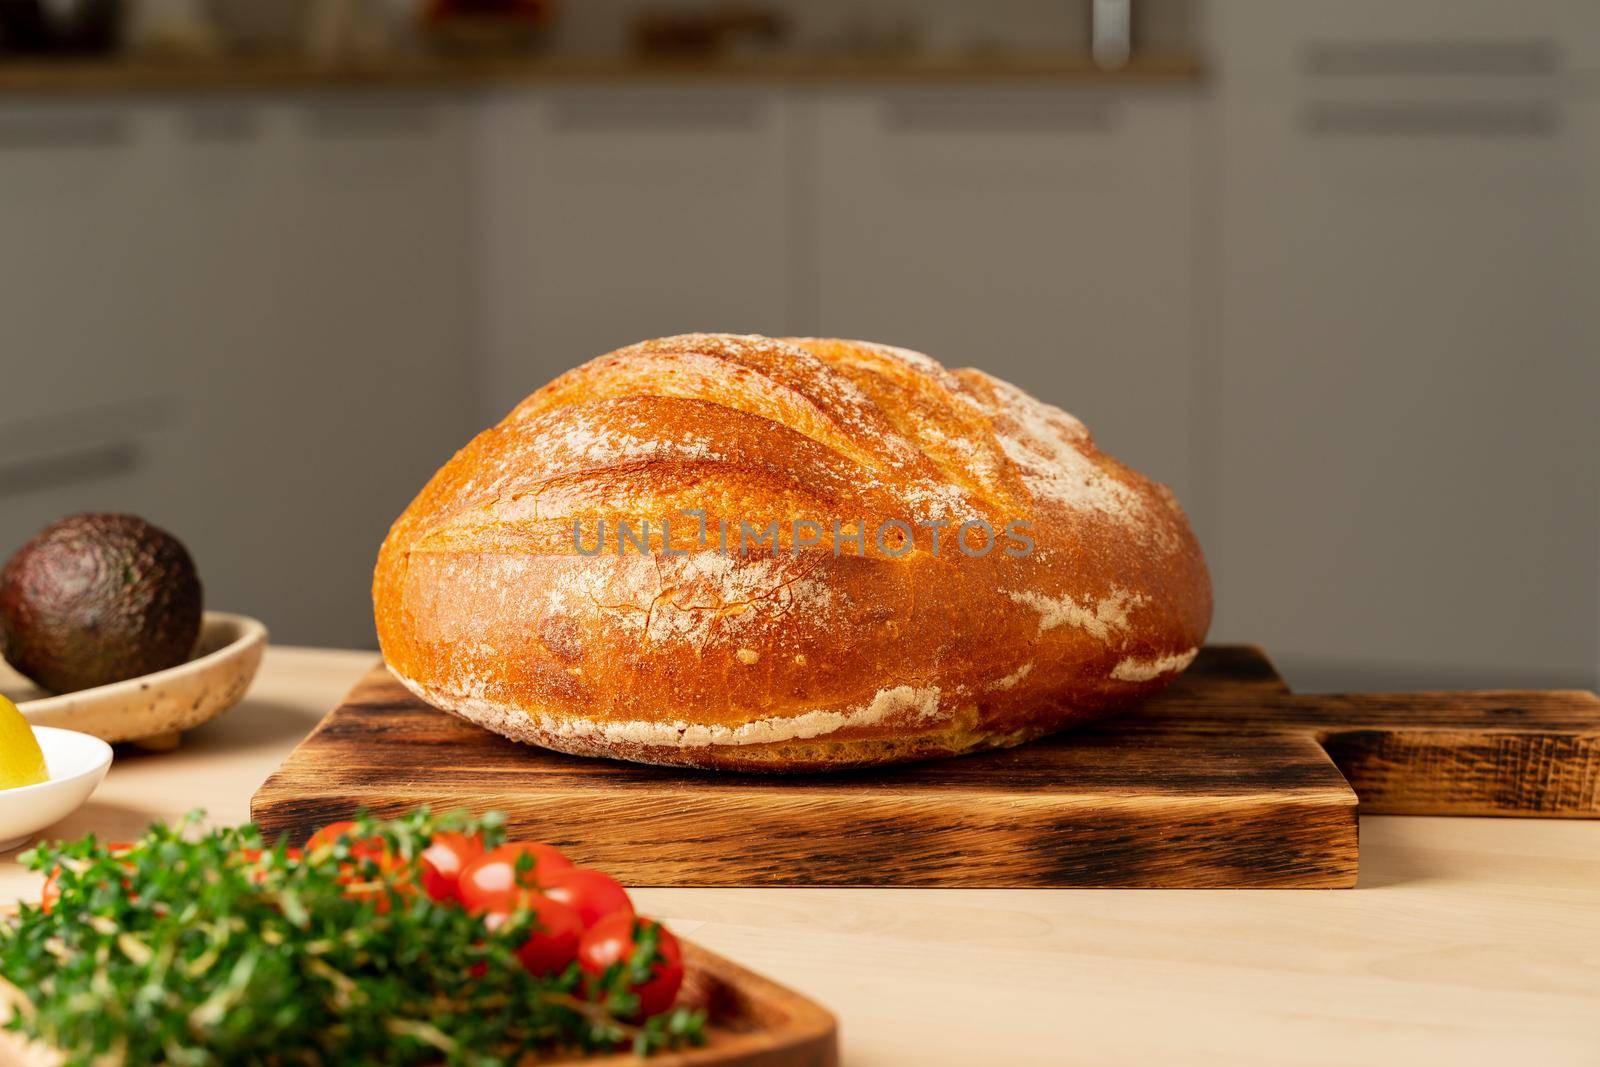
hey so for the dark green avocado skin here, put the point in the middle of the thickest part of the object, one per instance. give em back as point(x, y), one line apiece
point(98, 598)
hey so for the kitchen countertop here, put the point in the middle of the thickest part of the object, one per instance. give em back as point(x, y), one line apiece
point(1468, 940)
point(27, 77)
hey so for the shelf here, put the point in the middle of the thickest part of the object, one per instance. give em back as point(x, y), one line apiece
point(19, 77)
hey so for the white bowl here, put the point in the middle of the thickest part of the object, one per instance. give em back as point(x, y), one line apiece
point(76, 762)
point(158, 705)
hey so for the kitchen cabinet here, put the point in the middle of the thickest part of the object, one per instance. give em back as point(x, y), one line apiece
point(91, 368)
point(74, 179)
point(1405, 469)
point(1583, 112)
point(253, 326)
point(1337, 299)
point(1043, 234)
point(619, 214)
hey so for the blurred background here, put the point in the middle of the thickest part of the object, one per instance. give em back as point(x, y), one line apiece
point(1330, 270)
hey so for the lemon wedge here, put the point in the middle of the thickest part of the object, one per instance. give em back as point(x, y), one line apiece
point(21, 762)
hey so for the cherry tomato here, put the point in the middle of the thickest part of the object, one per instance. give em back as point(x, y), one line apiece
point(334, 831)
point(446, 856)
point(494, 876)
point(591, 894)
point(611, 940)
point(52, 885)
point(557, 929)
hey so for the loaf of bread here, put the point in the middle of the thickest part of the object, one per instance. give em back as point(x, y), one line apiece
point(786, 555)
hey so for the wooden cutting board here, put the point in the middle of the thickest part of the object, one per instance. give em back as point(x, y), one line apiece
point(1227, 779)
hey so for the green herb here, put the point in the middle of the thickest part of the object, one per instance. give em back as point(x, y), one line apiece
point(189, 950)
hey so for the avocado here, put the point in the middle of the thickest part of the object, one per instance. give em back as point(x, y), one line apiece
point(97, 598)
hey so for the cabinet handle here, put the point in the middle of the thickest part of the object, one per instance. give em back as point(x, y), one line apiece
point(43, 130)
point(1446, 118)
point(89, 463)
point(39, 452)
point(997, 112)
point(1492, 58)
point(605, 112)
point(220, 124)
point(368, 119)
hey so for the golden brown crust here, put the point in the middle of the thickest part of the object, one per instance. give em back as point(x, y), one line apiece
point(812, 657)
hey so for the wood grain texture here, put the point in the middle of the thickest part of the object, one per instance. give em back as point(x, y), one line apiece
point(1225, 780)
point(1488, 752)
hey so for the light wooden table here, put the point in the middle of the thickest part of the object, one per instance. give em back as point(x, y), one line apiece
point(1469, 940)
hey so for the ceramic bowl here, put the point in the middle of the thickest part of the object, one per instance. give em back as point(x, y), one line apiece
point(76, 762)
point(154, 708)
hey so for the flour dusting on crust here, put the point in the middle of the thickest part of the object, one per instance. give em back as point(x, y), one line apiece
point(1099, 618)
point(903, 702)
point(1011, 680)
point(1135, 669)
point(690, 598)
point(1051, 451)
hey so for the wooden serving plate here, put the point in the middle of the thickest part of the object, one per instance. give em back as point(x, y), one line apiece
point(751, 1022)
point(1227, 779)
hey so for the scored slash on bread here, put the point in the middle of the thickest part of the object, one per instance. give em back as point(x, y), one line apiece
point(786, 656)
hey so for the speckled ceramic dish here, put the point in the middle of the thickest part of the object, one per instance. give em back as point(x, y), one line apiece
point(155, 708)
